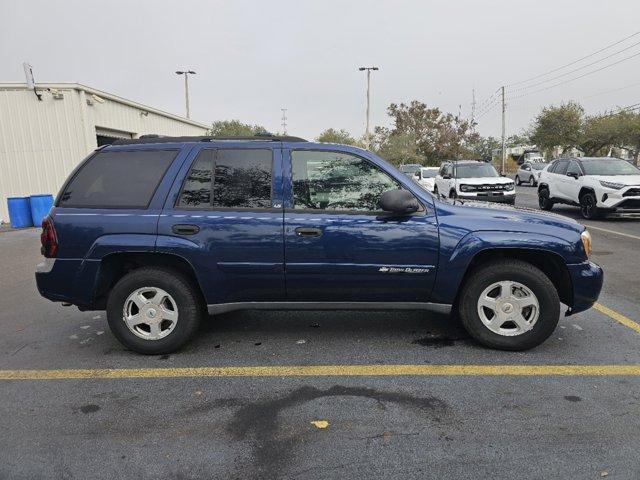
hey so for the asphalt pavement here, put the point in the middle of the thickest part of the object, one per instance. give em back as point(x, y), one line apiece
point(404, 394)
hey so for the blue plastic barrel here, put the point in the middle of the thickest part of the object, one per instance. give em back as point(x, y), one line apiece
point(40, 206)
point(19, 212)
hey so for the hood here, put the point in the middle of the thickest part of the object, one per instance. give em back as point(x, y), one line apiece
point(477, 216)
point(624, 179)
point(483, 180)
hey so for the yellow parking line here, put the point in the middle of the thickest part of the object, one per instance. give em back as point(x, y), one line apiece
point(325, 371)
point(591, 227)
point(618, 317)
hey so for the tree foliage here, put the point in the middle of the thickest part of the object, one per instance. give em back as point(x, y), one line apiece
point(235, 128)
point(332, 135)
point(567, 126)
point(423, 134)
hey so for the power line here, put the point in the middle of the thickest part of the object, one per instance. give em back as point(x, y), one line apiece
point(575, 69)
point(612, 91)
point(575, 78)
point(574, 62)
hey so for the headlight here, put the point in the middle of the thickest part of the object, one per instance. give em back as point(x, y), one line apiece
point(615, 186)
point(508, 187)
point(586, 242)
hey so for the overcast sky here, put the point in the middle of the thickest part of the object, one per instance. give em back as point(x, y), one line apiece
point(253, 58)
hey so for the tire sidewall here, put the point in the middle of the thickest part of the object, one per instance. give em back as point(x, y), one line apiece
point(525, 274)
point(594, 212)
point(187, 303)
point(544, 201)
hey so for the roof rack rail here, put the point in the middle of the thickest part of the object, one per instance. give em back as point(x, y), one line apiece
point(154, 138)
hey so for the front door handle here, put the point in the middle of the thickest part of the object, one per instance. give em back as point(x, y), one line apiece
point(183, 229)
point(308, 232)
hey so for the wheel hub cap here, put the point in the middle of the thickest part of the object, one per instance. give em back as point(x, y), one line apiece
point(508, 308)
point(150, 313)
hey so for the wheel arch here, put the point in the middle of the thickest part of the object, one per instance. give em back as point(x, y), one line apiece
point(550, 263)
point(115, 265)
point(585, 190)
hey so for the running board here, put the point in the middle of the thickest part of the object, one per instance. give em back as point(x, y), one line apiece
point(230, 307)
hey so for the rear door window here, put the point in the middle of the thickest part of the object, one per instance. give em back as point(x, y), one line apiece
point(231, 178)
point(117, 179)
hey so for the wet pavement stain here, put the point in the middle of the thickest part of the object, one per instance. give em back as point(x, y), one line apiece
point(572, 398)
point(90, 408)
point(259, 422)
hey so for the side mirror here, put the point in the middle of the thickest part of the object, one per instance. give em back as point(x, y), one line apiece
point(572, 175)
point(446, 176)
point(399, 202)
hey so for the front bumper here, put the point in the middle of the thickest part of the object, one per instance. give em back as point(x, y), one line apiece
point(623, 202)
point(586, 281)
point(498, 197)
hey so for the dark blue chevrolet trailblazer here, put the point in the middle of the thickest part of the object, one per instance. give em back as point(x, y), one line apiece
point(160, 231)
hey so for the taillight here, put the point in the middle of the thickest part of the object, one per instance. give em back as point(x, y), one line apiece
point(48, 238)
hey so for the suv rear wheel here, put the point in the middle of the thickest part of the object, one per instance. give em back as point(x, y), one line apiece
point(154, 310)
point(518, 182)
point(509, 305)
point(544, 201)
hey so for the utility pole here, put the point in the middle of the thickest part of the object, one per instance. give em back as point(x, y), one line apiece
point(504, 151)
point(367, 135)
point(186, 74)
point(284, 121)
point(473, 110)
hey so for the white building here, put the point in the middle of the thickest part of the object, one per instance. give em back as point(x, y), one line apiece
point(41, 141)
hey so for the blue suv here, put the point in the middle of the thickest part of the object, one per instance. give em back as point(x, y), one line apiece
point(160, 231)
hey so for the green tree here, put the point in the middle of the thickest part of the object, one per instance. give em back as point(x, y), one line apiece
point(398, 148)
point(628, 125)
point(559, 127)
point(235, 128)
point(331, 135)
point(483, 147)
point(438, 136)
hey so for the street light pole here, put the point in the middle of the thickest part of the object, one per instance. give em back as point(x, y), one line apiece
point(186, 74)
point(367, 135)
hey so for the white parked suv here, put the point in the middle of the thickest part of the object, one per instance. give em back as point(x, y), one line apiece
point(529, 172)
point(473, 180)
point(598, 185)
point(426, 177)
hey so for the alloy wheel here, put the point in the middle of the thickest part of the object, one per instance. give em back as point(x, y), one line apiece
point(508, 308)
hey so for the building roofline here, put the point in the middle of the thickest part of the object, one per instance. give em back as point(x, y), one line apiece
point(101, 93)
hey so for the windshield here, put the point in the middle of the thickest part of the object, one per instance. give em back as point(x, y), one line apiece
point(539, 166)
point(606, 166)
point(475, 170)
point(429, 173)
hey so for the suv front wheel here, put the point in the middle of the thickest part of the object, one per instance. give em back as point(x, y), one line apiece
point(544, 201)
point(588, 207)
point(154, 310)
point(509, 305)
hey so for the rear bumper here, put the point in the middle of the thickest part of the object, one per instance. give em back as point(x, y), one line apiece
point(586, 279)
point(67, 280)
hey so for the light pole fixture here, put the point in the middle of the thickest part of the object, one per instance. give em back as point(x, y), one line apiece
point(367, 135)
point(186, 74)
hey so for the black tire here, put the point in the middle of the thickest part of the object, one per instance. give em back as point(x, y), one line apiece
point(516, 271)
point(544, 202)
point(518, 182)
point(452, 194)
point(588, 207)
point(532, 181)
point(435, 190)
point(190, 309)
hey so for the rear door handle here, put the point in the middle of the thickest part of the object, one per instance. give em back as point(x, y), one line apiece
point(183, 229)
point(308, 232)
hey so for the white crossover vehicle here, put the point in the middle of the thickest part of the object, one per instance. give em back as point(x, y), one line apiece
point(472, 180)
point(426, 177)
point(529, 172)
point(598, 185)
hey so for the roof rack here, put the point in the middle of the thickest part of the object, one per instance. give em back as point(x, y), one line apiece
point(153, 138)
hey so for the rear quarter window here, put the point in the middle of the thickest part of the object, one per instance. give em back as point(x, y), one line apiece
point(117, 179)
